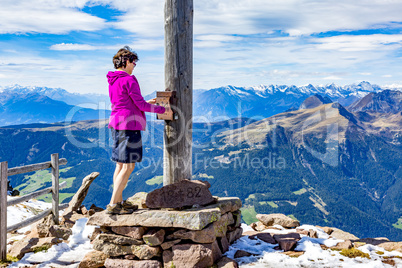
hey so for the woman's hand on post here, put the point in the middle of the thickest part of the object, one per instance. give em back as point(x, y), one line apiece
point(152, 101)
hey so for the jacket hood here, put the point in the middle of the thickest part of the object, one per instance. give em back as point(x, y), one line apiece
point(113, 76)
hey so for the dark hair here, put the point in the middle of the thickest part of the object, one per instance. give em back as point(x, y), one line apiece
point(121, 57)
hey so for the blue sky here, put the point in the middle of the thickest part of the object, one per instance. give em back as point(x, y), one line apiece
point(70, 43)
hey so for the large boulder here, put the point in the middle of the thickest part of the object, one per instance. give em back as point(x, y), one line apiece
point(192, 255)
point(278, 219)
point(194, 219)
point(180, 194)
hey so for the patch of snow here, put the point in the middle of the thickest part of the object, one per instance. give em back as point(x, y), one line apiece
point(313, 257)
point(63, 255)
point(24, 210)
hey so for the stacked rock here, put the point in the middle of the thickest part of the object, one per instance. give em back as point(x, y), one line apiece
point(183, 225)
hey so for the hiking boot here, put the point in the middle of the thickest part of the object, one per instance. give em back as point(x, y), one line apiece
point(117, 209)
point(128, 205)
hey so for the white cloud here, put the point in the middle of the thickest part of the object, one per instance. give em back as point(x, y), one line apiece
point(302, 17)
point(211, 41)
point(387, 75)
point(394, 86)
point(144, 18)
point(360, 42)
point(142, 44)
point(332, 78)
point(211, 17)
point(64, 46)
point(46, 16)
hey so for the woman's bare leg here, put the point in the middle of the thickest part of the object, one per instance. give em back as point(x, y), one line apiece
point(120, 182)
point(116, 171)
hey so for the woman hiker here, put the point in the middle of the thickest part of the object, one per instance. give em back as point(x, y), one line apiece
point(127, 120)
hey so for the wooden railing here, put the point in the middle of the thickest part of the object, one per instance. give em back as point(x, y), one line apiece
point(54, 189)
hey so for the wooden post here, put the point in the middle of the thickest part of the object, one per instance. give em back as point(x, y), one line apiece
point(179, 77)
point(3, 209)
point(55, 187)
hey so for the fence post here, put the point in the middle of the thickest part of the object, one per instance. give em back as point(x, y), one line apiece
point(3, 209)
point(55, 187)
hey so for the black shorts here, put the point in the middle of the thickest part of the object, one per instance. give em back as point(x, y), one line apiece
point(127, 146)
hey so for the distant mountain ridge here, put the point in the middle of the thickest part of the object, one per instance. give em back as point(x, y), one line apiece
point(387, 101)
point(212, 105)
point(265, 101)
point(59, 94)
point(19, 107)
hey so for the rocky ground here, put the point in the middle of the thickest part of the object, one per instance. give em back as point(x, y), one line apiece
point(274, 241)
point(208, 234)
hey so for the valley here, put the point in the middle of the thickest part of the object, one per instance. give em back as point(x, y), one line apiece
point(325, 165)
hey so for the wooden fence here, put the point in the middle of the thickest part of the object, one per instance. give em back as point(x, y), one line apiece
point(4, 173)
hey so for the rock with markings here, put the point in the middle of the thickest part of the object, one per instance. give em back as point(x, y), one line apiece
point(180, 194)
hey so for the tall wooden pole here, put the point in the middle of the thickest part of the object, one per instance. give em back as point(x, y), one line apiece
point(179, 77)
point(3, 210)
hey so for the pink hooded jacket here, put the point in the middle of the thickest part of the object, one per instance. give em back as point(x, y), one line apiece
point(128, 105)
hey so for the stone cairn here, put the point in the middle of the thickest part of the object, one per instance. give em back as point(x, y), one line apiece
point(178, 225)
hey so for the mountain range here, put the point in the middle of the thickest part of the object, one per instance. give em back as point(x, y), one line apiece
point(20, 107)
point(211, 105)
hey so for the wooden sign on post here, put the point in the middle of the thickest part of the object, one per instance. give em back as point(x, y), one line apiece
point(168, 100)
